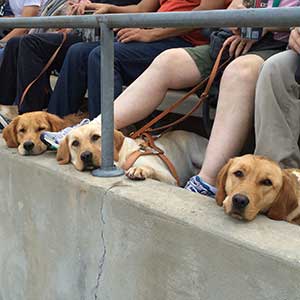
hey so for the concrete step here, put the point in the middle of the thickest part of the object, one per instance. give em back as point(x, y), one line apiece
point(68, 235)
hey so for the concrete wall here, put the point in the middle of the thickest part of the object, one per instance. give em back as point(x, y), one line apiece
point(67, 235)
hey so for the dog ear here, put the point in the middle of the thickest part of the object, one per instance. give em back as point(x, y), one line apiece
point(63, 155)
point(10, 133)
point(56, 123)
point(286, 200)
point(118, 142)
point(221, 181)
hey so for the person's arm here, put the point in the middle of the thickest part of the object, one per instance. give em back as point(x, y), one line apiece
point(28, 11)
point(294, 41)
point(143, 6)
point(126, 35)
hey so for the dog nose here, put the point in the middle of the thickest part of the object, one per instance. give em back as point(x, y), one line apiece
point(28, 146)
point(240, 201)
point(86, 156)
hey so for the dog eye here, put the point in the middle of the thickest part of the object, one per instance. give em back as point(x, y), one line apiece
point(95, 137)
point(75, 143)
point(41, 128)
point(266, 182)
point(22, 130)
point(239, 174)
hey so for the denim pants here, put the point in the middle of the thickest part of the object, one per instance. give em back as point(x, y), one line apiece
point(81, 71)
point(23, 59)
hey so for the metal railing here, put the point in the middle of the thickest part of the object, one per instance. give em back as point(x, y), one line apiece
point(279, 17)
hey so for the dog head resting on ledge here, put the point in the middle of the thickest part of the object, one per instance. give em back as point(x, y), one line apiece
point(24, 131)
point(249, 185)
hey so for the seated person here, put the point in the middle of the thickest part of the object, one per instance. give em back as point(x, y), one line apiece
point(277, 106)
point(20, 8)
point(25, 57)
point(135, 49)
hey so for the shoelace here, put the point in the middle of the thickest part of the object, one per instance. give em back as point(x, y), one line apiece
point(195, 184)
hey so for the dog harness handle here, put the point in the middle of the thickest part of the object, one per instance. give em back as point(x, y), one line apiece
point(149, 148)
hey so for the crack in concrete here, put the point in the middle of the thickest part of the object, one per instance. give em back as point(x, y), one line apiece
point(103, 256)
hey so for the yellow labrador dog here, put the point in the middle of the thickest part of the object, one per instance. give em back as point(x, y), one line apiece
point(250, 184)
point(82, 147)
point(24, 131)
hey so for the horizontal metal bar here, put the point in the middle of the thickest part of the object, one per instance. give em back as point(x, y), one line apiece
point(51, 22)
point(276, 17)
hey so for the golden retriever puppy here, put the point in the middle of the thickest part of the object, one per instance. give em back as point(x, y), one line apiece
point(82, 147)
point(24, 131)
point(250, 184)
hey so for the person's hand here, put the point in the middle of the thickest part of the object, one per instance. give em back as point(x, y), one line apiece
point(62, 30)
point(78, 8)
point(236, 5)
point(294, 41)
point(102, 9)
point(238, 46)
point(126, 35)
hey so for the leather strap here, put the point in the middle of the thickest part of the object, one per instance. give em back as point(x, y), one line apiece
point(50, 61)
point(149, 148)
point(204, 95)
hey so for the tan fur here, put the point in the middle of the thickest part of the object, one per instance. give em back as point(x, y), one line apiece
point(63, 155)
point(184, 149)
point(29, 126)
point(270, 190)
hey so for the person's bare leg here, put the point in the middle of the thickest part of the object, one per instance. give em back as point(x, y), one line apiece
point(173, 69)
point(234, 115)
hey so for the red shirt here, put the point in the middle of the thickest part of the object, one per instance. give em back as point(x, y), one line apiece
point(194, 37)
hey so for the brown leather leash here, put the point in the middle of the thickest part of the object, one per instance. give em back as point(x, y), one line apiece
point(149, 147)
point(50, 61)
point(210, 79)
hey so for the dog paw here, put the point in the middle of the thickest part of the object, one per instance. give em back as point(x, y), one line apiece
point(137, 173)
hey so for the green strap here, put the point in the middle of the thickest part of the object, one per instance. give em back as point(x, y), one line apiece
point(276, 3)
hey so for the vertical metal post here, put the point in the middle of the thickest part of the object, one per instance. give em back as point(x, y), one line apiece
point(107, 168)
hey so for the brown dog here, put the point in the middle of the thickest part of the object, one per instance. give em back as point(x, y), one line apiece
point(184, 149)
point(251, 184)
point(24, 131)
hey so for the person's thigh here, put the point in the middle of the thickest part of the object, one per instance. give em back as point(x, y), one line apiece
point(200, 56)
point(8, 71)
point(131, 59)
point(277, 110)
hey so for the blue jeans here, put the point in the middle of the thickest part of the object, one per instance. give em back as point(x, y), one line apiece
point(81, 70)
point(1, 55)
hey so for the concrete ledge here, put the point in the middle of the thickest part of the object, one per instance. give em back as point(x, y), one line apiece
point(68, 235)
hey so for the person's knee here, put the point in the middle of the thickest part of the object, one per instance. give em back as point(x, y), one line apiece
point(167, 60)
point(243, 69)
point(278, 68)
point(75, 52)
point(94, 57)
point(13, 42)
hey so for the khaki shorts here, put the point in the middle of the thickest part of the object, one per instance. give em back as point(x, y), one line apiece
point(202, 59)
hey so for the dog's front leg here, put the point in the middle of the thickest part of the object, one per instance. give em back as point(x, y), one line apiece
point(140, 173)
point(143, 172)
